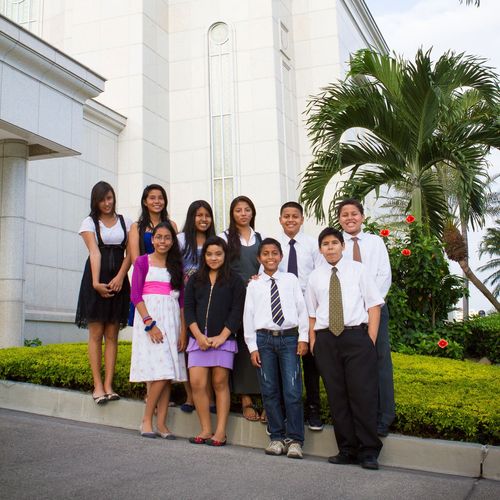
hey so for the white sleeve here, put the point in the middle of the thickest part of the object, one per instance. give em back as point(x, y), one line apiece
point(384, 274)
point(181, 238)
point(301, 313)
point(319, 259)
point(87, 226)
point(223, 235)
point(128, 223)
point(310, 297)
point(370, 291)
point(248, 320)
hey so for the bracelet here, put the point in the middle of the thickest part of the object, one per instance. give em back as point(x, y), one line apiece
point(146, 318)
point(150, 326)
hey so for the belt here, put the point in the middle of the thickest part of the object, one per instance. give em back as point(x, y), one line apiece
point(362, 326)
point(280, 333)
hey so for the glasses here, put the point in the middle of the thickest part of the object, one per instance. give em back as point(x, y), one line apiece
point(159, 237)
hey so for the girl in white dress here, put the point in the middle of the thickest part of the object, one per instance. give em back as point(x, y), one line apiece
point(159, 336)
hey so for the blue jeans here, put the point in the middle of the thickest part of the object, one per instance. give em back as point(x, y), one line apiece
point(278, 356)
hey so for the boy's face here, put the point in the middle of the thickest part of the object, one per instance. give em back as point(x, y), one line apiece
point(350, 219)
point(291, 219)
point(270, 258)
point(331, 249)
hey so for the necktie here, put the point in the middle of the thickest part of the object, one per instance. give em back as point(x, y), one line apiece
point(336, 313)
point(276, 311)
point(356, 254)
point(292, 259)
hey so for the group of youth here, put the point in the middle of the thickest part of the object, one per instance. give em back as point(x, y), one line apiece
point(240, 311)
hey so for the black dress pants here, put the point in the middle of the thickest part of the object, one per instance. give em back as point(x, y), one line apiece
point(311, 381)
point(348, 365)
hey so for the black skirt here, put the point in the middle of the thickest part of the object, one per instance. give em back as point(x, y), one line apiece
point(91, 306)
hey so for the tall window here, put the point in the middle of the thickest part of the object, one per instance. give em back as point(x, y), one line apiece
point(223, 162)
point(26, 13)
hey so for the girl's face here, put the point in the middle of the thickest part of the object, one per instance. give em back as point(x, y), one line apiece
point(202, 220)
point(162, 240)
point(154, 202)
point(214, 257)
point(242, 213)
point(106, 204)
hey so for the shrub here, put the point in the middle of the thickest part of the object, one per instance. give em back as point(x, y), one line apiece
point(482, 338)
point(434, 397)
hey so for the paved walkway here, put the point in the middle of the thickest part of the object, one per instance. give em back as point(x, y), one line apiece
point(44, 457)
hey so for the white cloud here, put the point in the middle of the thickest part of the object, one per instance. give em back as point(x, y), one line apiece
point(444, 25)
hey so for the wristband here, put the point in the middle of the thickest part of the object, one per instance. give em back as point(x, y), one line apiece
point(146, 318)
point(150, 326)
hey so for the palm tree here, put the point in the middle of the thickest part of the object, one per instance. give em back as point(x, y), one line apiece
point(393, 124)
point(468, 2)
point(491, 246)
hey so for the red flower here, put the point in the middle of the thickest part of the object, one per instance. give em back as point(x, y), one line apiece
point(384, 233)
point(406, 252)
point(442, 343)
point(410, 219)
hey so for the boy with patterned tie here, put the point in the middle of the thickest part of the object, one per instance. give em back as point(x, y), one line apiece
point(344, 313)
point(276, 332)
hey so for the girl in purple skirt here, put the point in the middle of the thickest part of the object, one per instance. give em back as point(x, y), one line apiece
point(213, 309)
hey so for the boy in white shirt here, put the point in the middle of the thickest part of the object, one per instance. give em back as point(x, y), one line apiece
point(370, 249)
point(275, 323)
point(344, 313)
point(301, 257)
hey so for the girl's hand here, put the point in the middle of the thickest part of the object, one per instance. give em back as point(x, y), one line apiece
point(182, 342)
point(116, 284)
point(203, 342)
point(218, 340)
point(103, 290)
point(156, 335)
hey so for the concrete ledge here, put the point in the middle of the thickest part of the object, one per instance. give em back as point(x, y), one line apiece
point(447, 457)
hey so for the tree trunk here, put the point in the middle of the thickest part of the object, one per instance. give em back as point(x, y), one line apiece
point(465, 298)
point(479, 284)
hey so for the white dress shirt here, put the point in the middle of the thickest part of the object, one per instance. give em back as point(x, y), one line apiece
point(257, 314)
point(374, 256)
point(308, 256)
point(359, 293)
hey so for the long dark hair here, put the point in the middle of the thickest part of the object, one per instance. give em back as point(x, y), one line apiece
point(144, 221)
point(190, 250)
point(224, 273)
point(233, 235)
point(98, 193)
point(174, 258)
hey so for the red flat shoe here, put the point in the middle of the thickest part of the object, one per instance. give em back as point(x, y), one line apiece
point(214, 442)
point(198, 440)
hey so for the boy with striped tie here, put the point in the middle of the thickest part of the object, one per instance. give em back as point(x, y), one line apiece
point(275, 323)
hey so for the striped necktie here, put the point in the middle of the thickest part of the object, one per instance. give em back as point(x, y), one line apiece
point(336, 312)
point(276, 310)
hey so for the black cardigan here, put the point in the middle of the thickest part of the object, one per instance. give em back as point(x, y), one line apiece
point(226, 305)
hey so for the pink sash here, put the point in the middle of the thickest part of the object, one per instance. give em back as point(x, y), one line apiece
point(156, 288)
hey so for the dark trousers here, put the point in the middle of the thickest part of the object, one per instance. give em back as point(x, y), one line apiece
point(311, 381)
point(386, 404)
point(348, 367)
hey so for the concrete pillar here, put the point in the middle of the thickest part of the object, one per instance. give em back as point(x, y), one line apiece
point(13, 166)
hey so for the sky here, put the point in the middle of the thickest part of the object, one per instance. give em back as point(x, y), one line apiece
point(446, 25)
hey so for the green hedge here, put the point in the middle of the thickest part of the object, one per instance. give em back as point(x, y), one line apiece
point(482, 338)
point(435, 397)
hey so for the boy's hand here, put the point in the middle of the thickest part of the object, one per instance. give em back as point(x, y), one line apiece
point(312, 341)
point(255, 359)
point(302, 348)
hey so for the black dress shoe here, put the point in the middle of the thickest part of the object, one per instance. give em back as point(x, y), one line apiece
point(369, 463)
point(343, 459)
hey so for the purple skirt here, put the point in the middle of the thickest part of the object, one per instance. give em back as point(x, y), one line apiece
point(223, 356)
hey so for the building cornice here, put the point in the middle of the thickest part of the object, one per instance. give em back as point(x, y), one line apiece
point(33, 56)
point(103, 116)
point(363, 18)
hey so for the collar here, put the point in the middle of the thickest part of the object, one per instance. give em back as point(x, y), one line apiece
point(339, 265)
point(348, 237)
point(266, 277)
point(298, 237)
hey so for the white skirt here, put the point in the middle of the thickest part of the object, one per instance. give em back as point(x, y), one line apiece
point(161, 361)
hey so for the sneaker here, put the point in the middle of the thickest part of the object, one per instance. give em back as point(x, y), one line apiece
point(314, 420)
point(268, 431)
point(275, 448)
point(294, 450)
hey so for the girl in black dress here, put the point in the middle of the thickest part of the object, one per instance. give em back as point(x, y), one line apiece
point(103, 302)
